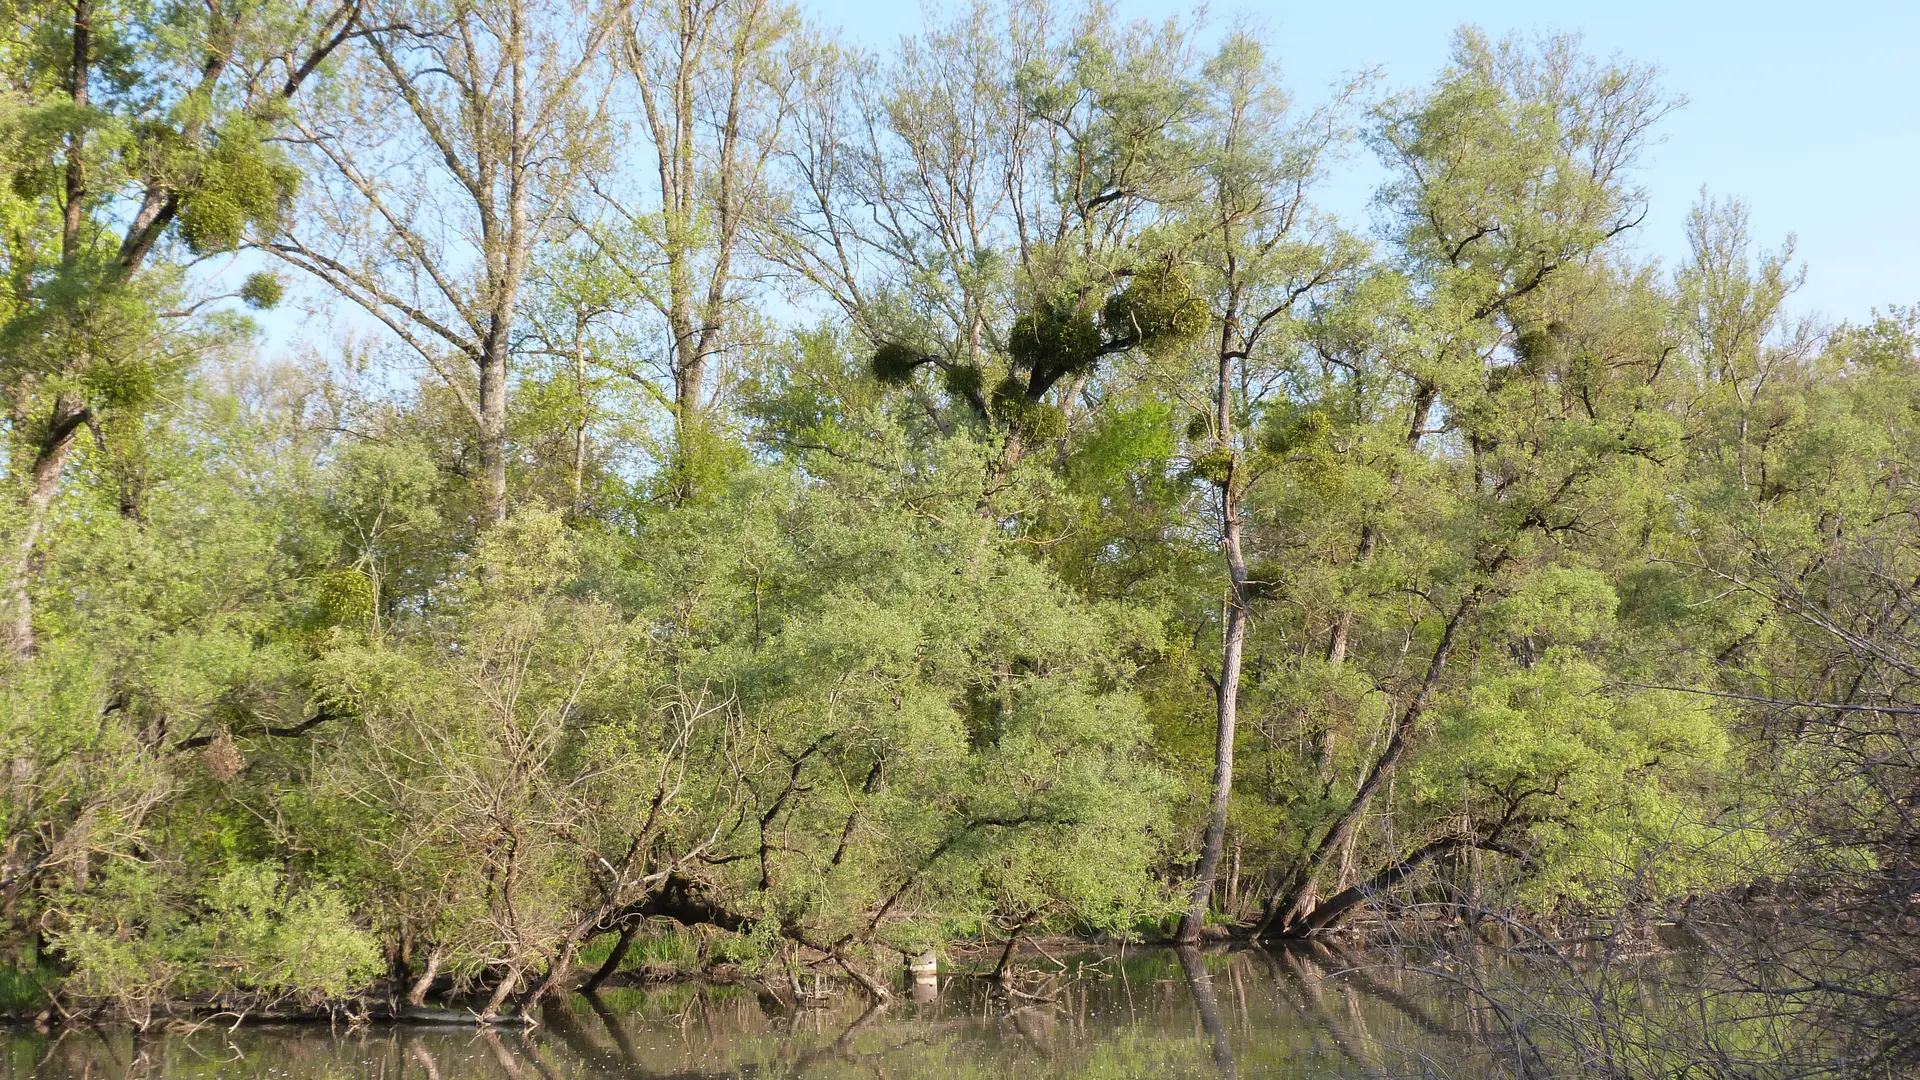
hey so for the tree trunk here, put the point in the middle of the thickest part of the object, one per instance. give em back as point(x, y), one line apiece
point(1232, 644)
point(1226, 712)
point(417, 993)
point(1290, 913)
point(1343, 623)
point(876, 992)
point(69, 412)
point(43, 482)
point(1003, 971)
point(580, 425)
point(557, 973)
point(493, 425)
point(77, 92)
point(1336, 907)
point(616, 957)
point(689, 390)
point(501, 992)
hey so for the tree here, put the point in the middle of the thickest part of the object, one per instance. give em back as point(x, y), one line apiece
point(480, 107)
point(1514, 178)
point(130, 128)
point(1013, 162)
point(1265, 256)
point(713, 85)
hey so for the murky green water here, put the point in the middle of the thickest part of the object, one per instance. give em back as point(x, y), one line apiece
point(1247, 1014)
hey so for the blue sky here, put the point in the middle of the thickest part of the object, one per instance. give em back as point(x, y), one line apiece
point(1808, 112)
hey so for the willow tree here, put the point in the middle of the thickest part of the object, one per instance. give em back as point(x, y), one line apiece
point(137, 140)
point(440, 161)
point(1490, 403)
point(1265, 254)
point(976, 206)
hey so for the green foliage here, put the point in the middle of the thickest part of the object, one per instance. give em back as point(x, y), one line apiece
point(262, 291)
point(1159, 309)
point(247, 932)
point(841, 663)
point(241, 182)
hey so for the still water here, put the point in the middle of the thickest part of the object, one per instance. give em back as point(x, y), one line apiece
point(1154, 1013)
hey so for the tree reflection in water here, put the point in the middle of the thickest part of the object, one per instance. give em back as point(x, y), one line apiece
point(1148, 1013)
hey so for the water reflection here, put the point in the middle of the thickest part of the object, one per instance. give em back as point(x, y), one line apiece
point(1157, 1013)
point(1207, 1003)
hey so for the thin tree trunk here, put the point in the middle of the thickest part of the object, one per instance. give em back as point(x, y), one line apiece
point(1343, 623)
point(1232, 646)
point(689, 393)
point(1290, 915)
point(78, 93)
point(506, 267)
point(501, 992)
point(614, 959)
point(580, 398)
point(1233, 881)
point(69, 412)
point(493, 425)
point(1336, 907)
point(1226, 711)
point(557, 972)
point(877, 993)
point(1002, 970)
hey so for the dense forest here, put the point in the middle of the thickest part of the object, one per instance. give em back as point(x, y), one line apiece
point(845, 502)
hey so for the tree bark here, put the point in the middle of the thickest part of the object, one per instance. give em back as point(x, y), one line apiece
point(697, 94)
point(557, 971)
point(493, 427)
point(501, 992)
point(77, 91)
point(43, 482)
point(1232, 646)
point(506, 268)
point(1343, 623)
point(1336, 907)
point(417, 993)
point(1226, 715)
point(69, 412)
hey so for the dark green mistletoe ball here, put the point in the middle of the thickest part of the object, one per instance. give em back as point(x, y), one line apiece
point(1539, 348)
point(1159, 310)
point(894, 363)
point(1305, 429)
point(964, 381)
point(1035, 421)
point(1054, 345)
point(1215, 466)
point(120, 386)
point(343, 597)
point(262, 291)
